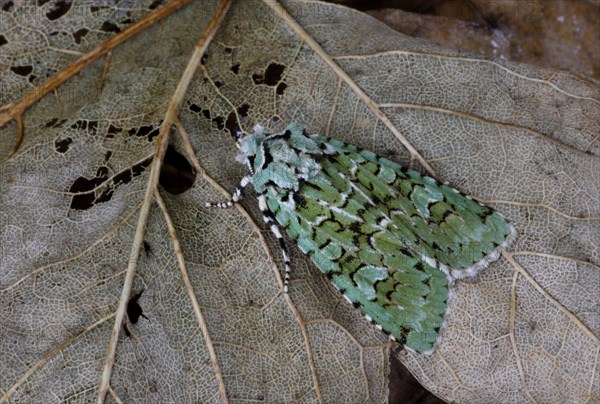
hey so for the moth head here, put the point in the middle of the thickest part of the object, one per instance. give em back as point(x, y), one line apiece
point(280, 159)
point(249, 145)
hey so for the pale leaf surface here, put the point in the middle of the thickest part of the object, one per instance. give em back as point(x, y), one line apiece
point(522, 139)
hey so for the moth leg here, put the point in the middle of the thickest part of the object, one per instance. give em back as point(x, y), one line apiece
point(237, 195)
point(268, 218)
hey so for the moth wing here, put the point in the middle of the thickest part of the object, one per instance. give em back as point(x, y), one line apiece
point(406, 296)
point(434, 220)
point(336, 226)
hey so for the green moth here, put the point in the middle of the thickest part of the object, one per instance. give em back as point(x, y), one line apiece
point(390, 239)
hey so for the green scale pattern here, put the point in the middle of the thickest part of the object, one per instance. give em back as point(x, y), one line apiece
point(391, 240)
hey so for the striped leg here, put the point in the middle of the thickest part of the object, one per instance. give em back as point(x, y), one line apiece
point(268, 218)
point(237, 195)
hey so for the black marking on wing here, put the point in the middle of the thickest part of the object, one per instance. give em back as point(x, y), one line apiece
point(271, 183)
point(403, 333)
point(388, 198)
point(268, 158)
point(431, 204)
point(378, 170)
point(355, 227)
point(446, 214)
point(344, 203)
point(325, 244)
point(331, 158)
point(389, 293)
point(487, 211)
point(299, 199)
point(376, 200)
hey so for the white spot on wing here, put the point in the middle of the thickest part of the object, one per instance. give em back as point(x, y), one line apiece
point(384, 222)
point(430, 261)
point(485, 261)
point(318, 220)
point(360, 191)
point(344, 213)
point(340, 211)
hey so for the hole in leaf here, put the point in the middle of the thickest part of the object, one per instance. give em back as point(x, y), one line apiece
point(232, 124)
point(123, 177)
point(90, 126)
point(60, 8)
point(22, 70)
point(113, 130)
point(243, 110)
point(147, 248)
point(176, 174)
point(86, 190)
point(134, 310)
point(271, 77)
point(84, 187)
point(62, 146)
point(280, 88)
point(219, 121)
point(108, 26)
point(77, 35)
point(143, 131)
point(197, 109)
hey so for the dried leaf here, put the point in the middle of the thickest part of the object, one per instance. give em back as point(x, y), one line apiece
point(522, 139)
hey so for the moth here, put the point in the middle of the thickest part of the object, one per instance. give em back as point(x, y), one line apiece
point(390, 239)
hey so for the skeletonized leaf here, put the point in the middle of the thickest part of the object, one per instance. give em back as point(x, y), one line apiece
point(522, 139)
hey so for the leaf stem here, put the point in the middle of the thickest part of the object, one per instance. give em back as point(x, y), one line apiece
point(161, 147)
